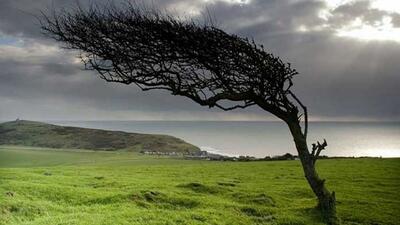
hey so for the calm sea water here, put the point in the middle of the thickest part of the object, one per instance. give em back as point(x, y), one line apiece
point(268, 138)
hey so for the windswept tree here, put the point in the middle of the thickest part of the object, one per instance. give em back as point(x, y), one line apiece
point(153, 50)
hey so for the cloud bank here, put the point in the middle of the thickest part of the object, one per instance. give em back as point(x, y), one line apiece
point(341, 77)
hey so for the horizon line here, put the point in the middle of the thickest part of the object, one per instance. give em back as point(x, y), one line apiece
point(113, 120)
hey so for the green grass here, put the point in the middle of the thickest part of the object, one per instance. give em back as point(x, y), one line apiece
point(80, 187)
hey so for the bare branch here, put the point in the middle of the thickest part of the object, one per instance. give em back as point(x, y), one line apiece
point(317, 148)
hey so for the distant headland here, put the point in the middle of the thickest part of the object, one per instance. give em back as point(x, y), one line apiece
point(38, 134)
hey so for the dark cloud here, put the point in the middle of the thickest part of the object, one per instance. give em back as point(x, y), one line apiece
point(19, 17)
point(396, 20)
point(339, 77)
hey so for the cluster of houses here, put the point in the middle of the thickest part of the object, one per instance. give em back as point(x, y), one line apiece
point(204, 155)
point(211, 156)
point(163, 153)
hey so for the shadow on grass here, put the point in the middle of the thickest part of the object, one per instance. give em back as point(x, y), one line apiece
point(201, 188)
point(149, 199)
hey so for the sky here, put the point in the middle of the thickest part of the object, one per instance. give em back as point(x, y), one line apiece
point(347, 54)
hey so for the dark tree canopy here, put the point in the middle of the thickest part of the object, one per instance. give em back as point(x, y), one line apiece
point(156, 51)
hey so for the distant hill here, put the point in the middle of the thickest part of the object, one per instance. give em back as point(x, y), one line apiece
point(37, 134)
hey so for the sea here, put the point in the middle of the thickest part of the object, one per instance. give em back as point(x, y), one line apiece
point(262, 138)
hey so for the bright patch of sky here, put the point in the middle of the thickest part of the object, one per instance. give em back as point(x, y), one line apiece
point(191, 8)
point(387, 5)
point(383, 31)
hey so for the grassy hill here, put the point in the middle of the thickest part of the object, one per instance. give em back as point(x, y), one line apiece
point(37, 134)
point(47, 187)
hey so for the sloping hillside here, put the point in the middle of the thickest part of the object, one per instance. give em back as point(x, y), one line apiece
point(30, 133)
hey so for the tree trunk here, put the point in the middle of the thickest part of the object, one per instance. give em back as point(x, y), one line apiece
point(326, 200)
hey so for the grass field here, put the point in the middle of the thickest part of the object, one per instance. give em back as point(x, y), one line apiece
point(39, 186)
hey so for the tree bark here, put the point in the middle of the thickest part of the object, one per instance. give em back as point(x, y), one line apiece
point(326, 199)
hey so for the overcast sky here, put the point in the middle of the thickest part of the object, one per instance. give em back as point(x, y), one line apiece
point(347, 54)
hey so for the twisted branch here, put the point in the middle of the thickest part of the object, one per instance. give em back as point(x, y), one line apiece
point(317, 148)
